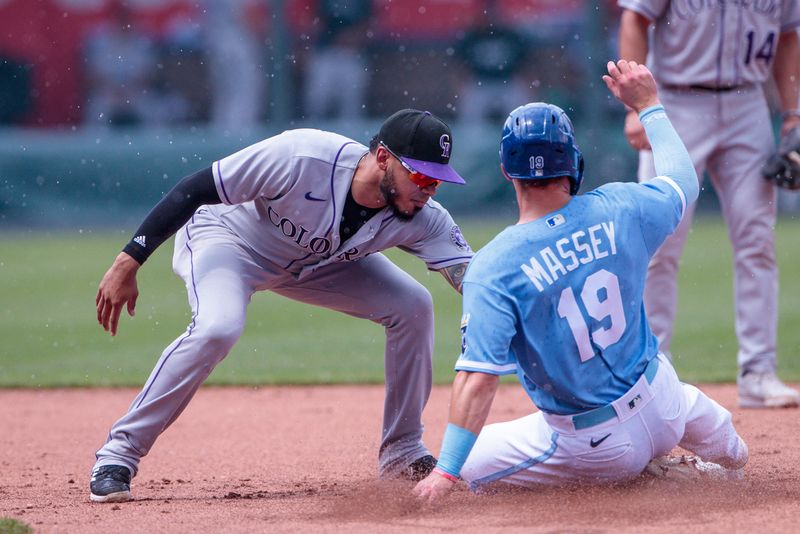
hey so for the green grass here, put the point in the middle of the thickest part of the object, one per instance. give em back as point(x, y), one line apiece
point(50, 336)
point(12, 526)
point(704, 346)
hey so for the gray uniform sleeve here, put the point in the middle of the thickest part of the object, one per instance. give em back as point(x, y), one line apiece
point(790, 16)
point(260, 170)
point(650, 9)
point(442, 244)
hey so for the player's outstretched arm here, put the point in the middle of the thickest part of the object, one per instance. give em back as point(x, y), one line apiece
point(472, 397)
point(455, 275)
point(118, 289)
point(634, 86)
point(172, 212)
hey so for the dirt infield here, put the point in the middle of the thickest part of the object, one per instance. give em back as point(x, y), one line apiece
point(304, 459)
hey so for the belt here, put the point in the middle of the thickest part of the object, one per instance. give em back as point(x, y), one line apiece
point(707, 88)
point(607, 412)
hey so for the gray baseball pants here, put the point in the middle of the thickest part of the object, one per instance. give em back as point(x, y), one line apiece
point(221, 275)
point(728, 134)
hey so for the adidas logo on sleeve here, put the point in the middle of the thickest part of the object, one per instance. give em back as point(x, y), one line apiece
point(139, 239)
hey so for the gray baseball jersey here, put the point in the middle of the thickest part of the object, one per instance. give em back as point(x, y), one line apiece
point(278, 230)
point(285, 197)
point(714, 43)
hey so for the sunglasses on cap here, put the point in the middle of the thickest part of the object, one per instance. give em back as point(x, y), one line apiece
point(420, 180)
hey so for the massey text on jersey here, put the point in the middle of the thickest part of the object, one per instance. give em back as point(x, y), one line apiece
point(569, 253)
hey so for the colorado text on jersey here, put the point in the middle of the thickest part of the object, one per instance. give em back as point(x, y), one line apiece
point(582, 247)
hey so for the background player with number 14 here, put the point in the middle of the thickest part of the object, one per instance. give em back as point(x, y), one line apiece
point(711, 60)
point(557, 299)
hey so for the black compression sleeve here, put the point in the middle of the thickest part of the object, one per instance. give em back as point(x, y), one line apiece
point(171, 212)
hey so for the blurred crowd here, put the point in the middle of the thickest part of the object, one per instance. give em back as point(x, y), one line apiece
point(237, 63)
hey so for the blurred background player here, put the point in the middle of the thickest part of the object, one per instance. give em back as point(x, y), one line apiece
point(119, 71)
point(711, 60)
point(233, 36)
point(493, 54)
point(557, 299)
point(336, 74)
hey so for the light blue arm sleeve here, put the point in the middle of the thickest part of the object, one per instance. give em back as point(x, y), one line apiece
point(669, 153)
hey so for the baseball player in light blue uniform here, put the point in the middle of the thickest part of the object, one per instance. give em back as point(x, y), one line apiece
point(304, 214)
point(557, 299)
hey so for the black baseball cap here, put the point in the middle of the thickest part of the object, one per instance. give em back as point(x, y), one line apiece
point(422, 141)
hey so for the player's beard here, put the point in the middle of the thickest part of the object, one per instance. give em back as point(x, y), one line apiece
point(388, 187)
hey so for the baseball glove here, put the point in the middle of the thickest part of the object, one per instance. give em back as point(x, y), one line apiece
point(784, 167)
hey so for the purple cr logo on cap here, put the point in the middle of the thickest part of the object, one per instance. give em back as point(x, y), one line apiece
point(444, 142)
point(422, 141)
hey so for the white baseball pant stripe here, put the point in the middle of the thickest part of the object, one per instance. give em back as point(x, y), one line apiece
point(545, 449)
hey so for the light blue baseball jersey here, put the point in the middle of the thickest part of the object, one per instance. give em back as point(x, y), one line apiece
point(559, 300)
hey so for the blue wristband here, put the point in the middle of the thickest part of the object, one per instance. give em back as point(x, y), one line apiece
point(456, 445)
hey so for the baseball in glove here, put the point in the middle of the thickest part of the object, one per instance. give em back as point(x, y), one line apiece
point(784, 167)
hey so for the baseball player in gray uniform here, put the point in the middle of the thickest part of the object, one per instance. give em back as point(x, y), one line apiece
point(304, 214)
point(711, 60)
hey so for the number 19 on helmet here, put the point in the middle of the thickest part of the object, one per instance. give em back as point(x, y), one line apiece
point(539, 143)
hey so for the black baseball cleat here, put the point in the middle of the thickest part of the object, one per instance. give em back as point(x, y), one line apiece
point(111, 483)
point(419, 468)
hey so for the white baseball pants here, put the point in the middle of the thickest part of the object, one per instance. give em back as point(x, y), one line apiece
point(649, 421)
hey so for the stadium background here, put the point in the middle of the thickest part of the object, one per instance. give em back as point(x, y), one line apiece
point(74, 184)
point(61, 166)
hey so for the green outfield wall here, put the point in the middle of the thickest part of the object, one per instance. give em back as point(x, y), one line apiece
point(113, 177)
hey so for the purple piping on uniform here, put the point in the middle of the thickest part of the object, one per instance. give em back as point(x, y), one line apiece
point(721, 42)
point(191, 326)
point(450, 259)
point(333, 172)
point(222, 184)
point(298, 259)
point(333, 199)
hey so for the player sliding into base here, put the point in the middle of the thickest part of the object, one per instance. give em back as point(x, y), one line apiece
point(557, 299)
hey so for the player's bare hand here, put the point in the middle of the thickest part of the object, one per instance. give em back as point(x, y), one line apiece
point(634, 132)
point(433, 487)
point(118, 289)
point(632, 84)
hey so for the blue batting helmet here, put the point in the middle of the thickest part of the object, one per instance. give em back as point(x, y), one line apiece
point(539, 143)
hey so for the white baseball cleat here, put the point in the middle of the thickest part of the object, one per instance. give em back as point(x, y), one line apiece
point(765, 390)
point(682, 468)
